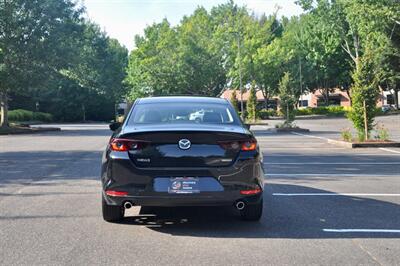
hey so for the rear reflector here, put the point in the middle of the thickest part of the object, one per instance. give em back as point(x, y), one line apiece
point(250, 192)
point(114, 193)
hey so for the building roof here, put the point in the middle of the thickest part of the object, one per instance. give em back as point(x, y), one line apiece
point(246, 93)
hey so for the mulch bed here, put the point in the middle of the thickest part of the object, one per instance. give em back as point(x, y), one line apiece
point(366, 144)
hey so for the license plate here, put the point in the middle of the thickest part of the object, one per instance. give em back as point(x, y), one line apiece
point(184, 185)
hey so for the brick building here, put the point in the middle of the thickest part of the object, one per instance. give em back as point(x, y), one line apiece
point(315, 99)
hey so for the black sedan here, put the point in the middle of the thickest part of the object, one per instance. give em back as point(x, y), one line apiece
point(182, 151)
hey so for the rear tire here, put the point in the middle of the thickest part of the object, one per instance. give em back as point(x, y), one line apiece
point(112, 213)
point(252, 212)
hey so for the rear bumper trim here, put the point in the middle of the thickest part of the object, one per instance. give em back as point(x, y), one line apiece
point(183, 200)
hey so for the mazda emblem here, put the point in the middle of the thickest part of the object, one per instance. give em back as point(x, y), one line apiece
point(184, 144)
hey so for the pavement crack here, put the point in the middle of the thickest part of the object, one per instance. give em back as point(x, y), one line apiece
point(358, 244)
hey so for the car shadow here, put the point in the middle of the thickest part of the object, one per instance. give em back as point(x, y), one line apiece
point(284, 217)
point(23, 168)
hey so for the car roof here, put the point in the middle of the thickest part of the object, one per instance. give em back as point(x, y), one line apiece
point(182, 99)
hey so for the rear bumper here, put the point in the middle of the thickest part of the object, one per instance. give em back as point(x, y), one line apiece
point(198, 199)
point(120, 174)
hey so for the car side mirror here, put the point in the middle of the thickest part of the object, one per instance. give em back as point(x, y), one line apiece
point(247, 126)
point(115, 125)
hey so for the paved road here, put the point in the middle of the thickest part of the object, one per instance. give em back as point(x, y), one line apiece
point(50, 208)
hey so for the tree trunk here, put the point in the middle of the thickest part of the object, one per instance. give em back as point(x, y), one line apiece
point(266, 98)
point(347, 90)
point(3, 110)
point(83, 113)
point(366, 129)
point(327, 97)
point(396, 98)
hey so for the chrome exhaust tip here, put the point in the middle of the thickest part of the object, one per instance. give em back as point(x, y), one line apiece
point(128, 205)
point(240, 205)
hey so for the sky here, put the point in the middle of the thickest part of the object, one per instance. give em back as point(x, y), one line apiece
point(123, 19)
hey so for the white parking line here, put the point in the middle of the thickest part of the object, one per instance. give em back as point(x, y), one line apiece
point(297, 148)
point(389, 150)
point(343, 163)
point(362, 230)
point(332, 174)
point(308, 136)
point(327, 156)
point(336, 194)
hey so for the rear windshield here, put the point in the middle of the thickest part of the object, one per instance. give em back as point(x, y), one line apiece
point(207, 113)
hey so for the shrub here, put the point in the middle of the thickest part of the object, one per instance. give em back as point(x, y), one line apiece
point(43, 117)
point(20, 115)
point(379, 111)
point(323, 110)
point(266, 113)
point(252, 111)
point(360, 136)
point(304, 111)
point(382, 133)
point(346, 135)
point(287, 97)
point(234, 101)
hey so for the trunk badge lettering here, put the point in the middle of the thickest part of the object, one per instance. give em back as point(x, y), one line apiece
point(143, 160)
point(184, 144)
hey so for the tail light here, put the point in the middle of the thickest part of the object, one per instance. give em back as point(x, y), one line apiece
point(126, 144)
point(251, 191)
point(229, 145)
point(114, 193)
point(249, 145)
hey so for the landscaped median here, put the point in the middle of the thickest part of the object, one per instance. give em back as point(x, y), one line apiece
point(377, 138)
point(22, 119)
point(365, 144)
point(11, 130)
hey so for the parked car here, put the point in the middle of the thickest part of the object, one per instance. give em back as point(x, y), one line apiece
point(387, 108)
point(197, 116)
point(154, 159)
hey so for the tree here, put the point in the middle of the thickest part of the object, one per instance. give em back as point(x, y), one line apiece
point(364, 95)
point(36, 40)
point(287, 98)
point(180, 60)
point(252, 104)
point(234, 101)
point(363, 29)
point(200, 65)
point(153, 65)
point(94, 77)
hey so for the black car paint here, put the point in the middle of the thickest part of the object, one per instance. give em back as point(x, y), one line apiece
point(121, 172)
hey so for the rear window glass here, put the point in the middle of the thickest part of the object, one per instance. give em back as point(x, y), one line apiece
point(158, 113)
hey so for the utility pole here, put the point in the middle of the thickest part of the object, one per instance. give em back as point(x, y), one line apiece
point(240, 79)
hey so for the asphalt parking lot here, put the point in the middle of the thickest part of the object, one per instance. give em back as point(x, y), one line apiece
point(323, 205)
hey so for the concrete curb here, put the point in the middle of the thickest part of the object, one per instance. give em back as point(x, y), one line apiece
point(288, 130)
point(31, 130)
point(258, 124)
point(352, 145)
